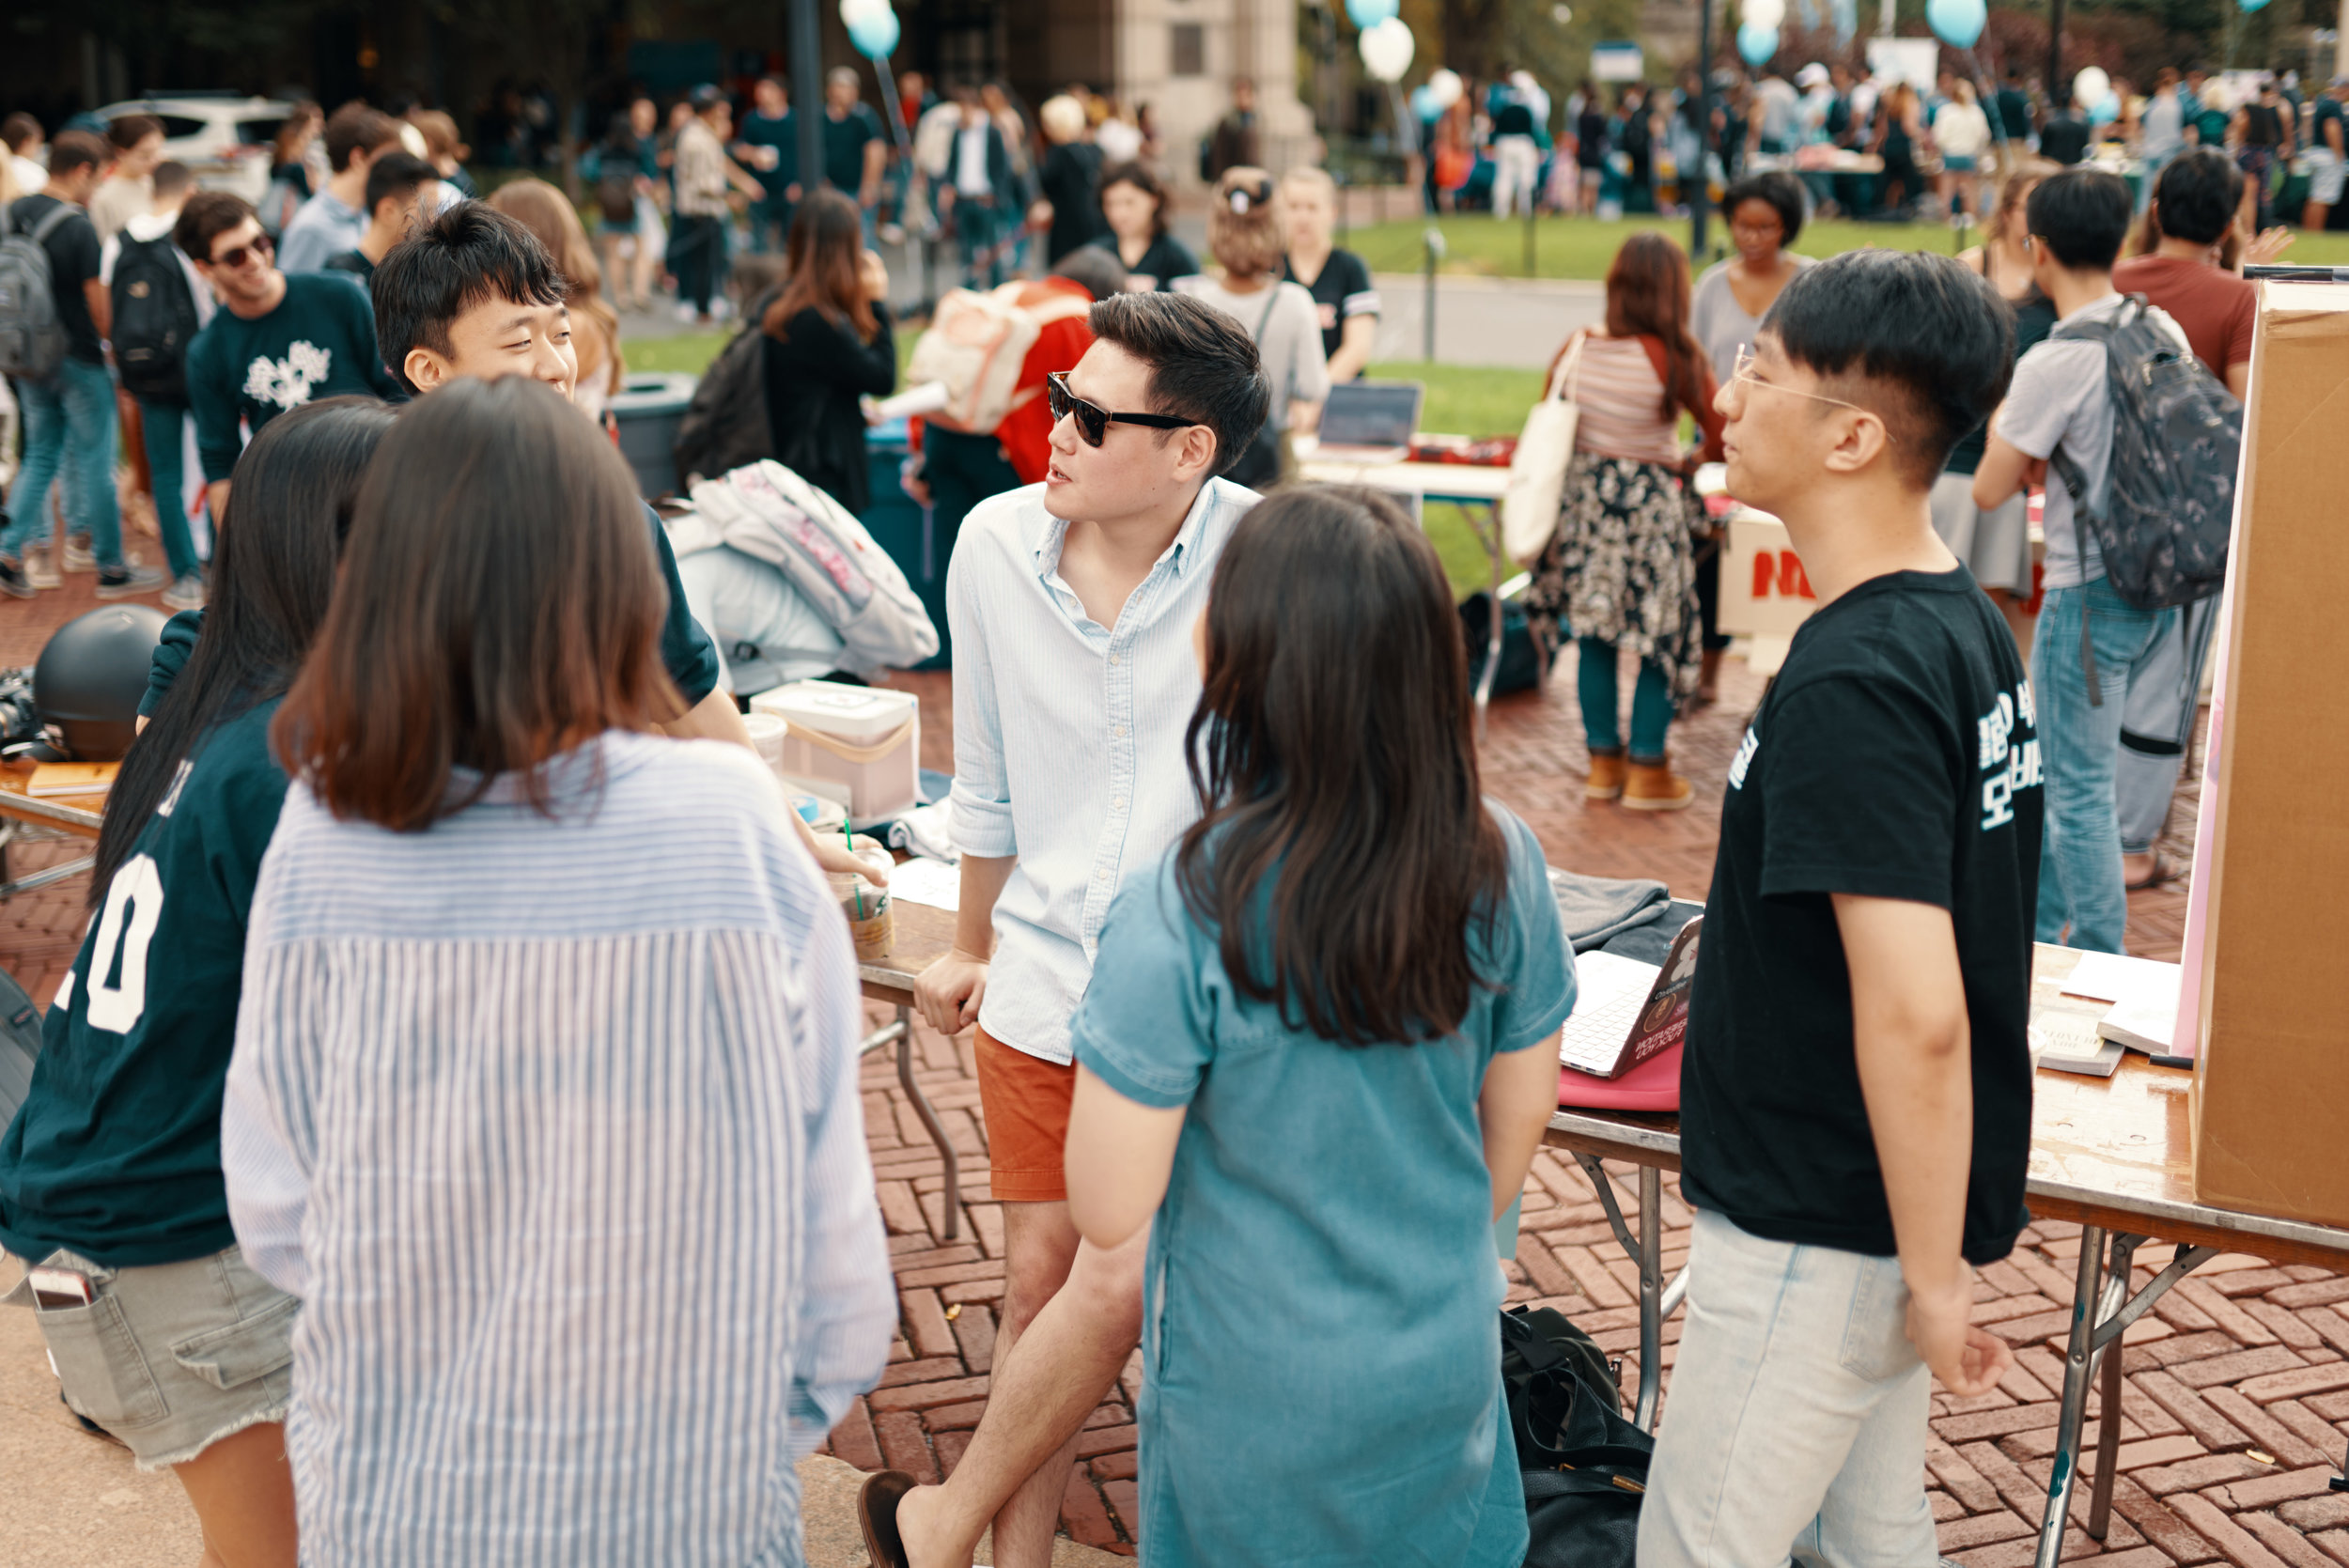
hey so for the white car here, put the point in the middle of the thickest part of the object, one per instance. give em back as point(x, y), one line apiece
point(226, 140)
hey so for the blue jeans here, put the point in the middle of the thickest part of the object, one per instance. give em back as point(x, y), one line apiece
point(976, 232)
point(770, 224)
point(70, 431)
point(1651, 702)
point(163, 425)
point(2080, 886)
point(1796, 1421)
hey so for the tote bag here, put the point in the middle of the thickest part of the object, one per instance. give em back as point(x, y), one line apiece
point(1537, 474)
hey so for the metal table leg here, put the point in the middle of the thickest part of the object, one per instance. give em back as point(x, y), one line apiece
point(2109, 1406)
point(1647, 1250)
point(1489, 534)
point(2102, 1311)
point(901, 1032)
point(2085, 1289)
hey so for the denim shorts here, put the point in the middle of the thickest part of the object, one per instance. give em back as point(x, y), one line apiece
point(171, 1358)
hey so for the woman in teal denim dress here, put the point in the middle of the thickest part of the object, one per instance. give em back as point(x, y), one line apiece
point(1317, 1056)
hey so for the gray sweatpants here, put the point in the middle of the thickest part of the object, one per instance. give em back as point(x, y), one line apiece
point(2157, 722)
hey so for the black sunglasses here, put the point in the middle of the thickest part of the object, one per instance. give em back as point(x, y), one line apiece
point(233, 260)
point(1093, 421)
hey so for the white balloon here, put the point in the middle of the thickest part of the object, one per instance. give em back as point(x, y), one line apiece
point(1387, 49)
point(1445, 86)
point(1763, 13)
point(2091, 85)
point(851, 10)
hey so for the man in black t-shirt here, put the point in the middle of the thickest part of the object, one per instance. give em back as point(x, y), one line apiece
point(1855, 1093)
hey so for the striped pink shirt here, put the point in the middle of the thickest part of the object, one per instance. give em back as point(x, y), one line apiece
point(1621, 400)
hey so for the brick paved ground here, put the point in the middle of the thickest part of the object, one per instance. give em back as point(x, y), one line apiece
point(2237, 1405)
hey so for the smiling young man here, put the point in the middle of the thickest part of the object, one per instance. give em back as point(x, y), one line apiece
point(277, 341)
point(1072, 604)
point(1856, 1095)
point(473, 293)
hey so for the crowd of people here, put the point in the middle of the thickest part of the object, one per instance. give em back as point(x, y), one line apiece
point(1935, 152)
point(446, 1143)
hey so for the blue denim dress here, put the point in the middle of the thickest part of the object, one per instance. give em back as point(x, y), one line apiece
point(1322, 1363)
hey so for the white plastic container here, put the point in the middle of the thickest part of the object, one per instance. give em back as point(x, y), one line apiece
point(856, 744)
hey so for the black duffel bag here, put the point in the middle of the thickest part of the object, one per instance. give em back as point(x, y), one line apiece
point(1583, 1466)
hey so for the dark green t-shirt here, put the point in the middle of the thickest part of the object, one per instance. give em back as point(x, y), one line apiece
point(320, 342)
point(115, 1154)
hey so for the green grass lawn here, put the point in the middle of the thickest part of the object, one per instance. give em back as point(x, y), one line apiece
point(1480, 246)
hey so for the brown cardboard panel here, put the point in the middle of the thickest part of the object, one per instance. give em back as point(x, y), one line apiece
point(2271, 1105)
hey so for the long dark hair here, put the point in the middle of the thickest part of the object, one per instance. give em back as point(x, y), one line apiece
point(1337, 780)
point(289, 507)
point(502, 606)
point(825, 247)
point(1647, 296)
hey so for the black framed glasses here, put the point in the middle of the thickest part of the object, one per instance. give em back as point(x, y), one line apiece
point(1094, 421)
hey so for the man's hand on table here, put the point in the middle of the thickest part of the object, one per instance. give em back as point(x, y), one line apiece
point(949, 991)
point(1968, 1361)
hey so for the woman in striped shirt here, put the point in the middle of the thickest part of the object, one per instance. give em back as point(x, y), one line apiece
point(1620, 572)
point(544, 1093)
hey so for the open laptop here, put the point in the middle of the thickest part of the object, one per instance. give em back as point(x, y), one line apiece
point(1626, 1012)
point(1369, 421)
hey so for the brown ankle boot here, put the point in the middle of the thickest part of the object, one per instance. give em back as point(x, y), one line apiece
point(1653, 787)
point(1605, 780)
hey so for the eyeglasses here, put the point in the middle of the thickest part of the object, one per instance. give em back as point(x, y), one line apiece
point(1743, 371)
point(259, 246)
point(1093, 421)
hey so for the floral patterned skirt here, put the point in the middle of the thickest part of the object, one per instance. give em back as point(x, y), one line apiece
point(1622, 566)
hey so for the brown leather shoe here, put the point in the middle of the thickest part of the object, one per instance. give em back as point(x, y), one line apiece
point(876, 1515)
point(1653, 787)
point(1605, 780)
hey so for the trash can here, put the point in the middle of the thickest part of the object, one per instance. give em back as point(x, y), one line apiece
point(906, 531)
point(647, 409)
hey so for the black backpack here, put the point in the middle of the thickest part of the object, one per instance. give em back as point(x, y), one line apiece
point(2170, 492)
point(1583, 1466)
point(725, 426)
point(615, 191)
point(154, 320)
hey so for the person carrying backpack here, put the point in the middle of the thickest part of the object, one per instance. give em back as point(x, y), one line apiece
point(54, 320)
point(159, 303)
point(2140, 444)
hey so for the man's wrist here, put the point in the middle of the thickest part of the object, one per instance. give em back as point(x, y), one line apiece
point(959, 951)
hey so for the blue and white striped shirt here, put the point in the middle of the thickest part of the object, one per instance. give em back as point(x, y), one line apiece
point(554, 1126)
point(1068, 740)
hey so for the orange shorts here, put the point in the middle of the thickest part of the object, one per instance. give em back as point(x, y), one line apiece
point(1025, 1100)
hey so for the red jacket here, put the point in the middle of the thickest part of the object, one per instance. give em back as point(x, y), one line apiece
point(1026, 432)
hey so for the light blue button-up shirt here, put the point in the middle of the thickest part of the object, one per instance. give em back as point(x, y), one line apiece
point(1068, 740)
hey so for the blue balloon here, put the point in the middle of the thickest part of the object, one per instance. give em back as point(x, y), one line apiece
point(1756, 44)
point(1424, 102)
point(1369, 13)
point(1956, 23)
point(2108, 108)
point(874, 34)
point(2252, 4)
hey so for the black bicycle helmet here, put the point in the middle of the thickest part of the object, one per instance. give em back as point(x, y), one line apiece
point(89, 680)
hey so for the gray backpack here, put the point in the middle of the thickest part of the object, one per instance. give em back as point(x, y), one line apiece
point(32, 339)
point(2170, 496)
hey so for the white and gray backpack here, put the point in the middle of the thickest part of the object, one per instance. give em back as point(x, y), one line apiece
point(770, 514)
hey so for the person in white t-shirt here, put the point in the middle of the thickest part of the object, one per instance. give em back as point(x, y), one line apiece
point(2087, 631)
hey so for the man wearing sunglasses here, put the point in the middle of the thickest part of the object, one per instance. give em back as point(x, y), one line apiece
point(278, 342)
point(1072, 604)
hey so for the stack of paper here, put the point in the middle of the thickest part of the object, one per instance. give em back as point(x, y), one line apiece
point(2144, 998)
